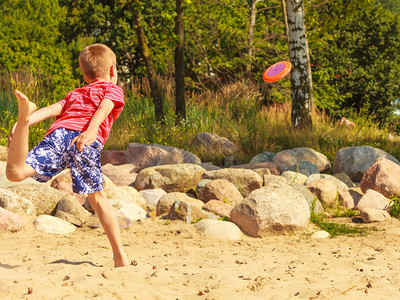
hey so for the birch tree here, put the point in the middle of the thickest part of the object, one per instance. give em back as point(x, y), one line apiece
point(301, 97)
point(180, 106)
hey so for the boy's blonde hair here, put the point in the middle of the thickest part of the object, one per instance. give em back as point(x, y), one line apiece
point(95, 61)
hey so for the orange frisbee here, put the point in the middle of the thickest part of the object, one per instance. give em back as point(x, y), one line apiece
point(277, 71)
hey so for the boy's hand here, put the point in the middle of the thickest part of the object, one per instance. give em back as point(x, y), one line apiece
point(86, 138)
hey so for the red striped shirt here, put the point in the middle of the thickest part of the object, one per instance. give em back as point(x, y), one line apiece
point(80, 105)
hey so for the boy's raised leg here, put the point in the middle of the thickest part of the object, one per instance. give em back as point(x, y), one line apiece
point(17, 169)
point(109, 221)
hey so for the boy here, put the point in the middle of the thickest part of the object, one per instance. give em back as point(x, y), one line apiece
point(83, 122)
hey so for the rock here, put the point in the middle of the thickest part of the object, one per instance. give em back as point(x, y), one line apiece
point(16, 203)
point(121, 175)
point(383, 176)
point(373, 199)
point(222, 190)
point(184, 211)
point(287, 158)
point(267, 179)
point(5, 183)
point(145, 156)
point(10, 221)
point(356, 193)
point(70, 218)
point(45, 198)
point(343, 177)
point(152, 196)
point(3, 165)
point(329, 195)
point(322, 234)
point(355, 161)
point(276, 207)
point(127, 209)
point(213, 143)
point(263, 157)
point(262, 172)
point(272, 167)
point(336, 182)
point(170, 178)
point(200, 185)
point(218, 208)
point(244, 180)
point(294, 177)
point(63, 182)
point(305, 167)
point(209, 167)
point(370, 215)
point(165, 203)
point(50, 224)
point(125, 193)
point(114, 157)
point(72, 207)
point(313, 203)
point(219, 229)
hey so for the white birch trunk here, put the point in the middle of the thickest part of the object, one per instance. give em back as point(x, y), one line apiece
point(301, 97)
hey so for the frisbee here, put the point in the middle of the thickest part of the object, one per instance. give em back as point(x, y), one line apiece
point(277, 71)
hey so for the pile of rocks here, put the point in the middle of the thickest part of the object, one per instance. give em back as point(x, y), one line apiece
point(273, 193)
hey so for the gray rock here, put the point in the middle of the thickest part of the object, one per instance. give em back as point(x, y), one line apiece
point(305, 167)
point(276, 207)
point(213, 143)
point(263, 157)
point(345, 179)
point(219, 229)
point(313, 203)
point(355, 161)
point(287, 158)
point(170, 178)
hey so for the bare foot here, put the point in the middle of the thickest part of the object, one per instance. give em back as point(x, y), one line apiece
point(121, 261)
point(25, 107)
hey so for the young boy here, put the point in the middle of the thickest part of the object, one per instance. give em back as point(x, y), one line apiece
point(83, 123)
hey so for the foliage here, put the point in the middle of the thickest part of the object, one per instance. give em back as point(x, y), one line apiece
point(395, 207)
point(356, 63)
point(31, 39)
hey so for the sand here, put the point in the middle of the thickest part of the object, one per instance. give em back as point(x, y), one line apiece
point(174, 261)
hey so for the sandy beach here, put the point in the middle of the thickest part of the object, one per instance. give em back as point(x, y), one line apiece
point(172, 260)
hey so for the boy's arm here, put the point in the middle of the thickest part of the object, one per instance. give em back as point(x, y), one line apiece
point(89, 136)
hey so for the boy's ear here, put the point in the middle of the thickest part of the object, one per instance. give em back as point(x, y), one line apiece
point(112, 71)
point(86, 79)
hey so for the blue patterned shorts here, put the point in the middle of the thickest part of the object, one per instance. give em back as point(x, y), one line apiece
point(54, 154)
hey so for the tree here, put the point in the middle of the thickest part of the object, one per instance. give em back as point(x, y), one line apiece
point(301, 104)
point(180, 64)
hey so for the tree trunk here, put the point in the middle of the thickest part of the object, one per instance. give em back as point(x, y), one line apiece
point(301, 101)
point(253, 12)
point(180, 105)
point(151, 75)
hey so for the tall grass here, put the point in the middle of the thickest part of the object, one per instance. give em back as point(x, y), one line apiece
point(236, 111)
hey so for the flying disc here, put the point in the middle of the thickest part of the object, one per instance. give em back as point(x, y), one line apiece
point(277, 71)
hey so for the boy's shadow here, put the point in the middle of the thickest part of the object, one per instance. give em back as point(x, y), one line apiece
point(75, 263)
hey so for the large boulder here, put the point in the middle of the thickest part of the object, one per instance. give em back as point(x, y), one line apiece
point(336, 182)
point(126, 193)
point(218, 208)
point(10, 221)
point(355, 161)
point(69, 209)
point(373, 199)
point(143, 156)
point(263, 157)
point(213, 143)
point(222, 190)
point(244, 180)
point(170, 178)
point(50, 224)
point(287, 158)
point(276, 207)
point(383, 176)
point(16, 203)
point(63, 182)
point(114, 157)
point(330, 195)
point(43, 196)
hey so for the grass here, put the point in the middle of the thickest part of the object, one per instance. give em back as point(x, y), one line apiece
point(236, 111)
point(395, 207)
